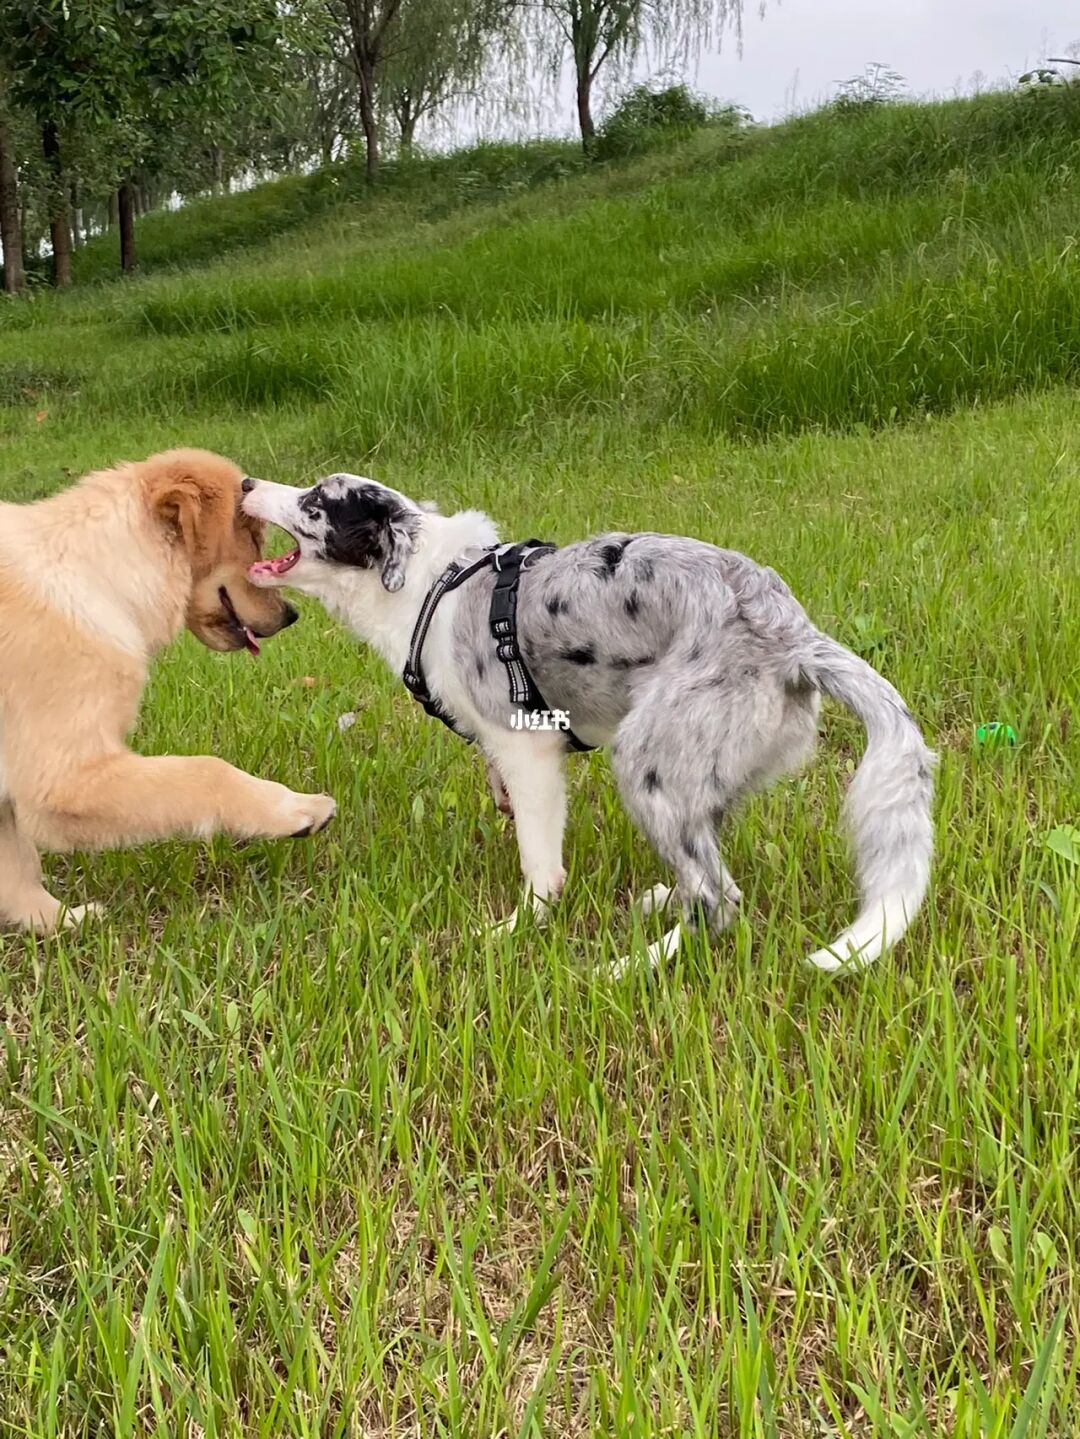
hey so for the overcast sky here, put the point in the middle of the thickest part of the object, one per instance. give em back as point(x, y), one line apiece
point(794, 55)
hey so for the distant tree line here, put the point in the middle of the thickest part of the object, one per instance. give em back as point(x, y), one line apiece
point(108, 108)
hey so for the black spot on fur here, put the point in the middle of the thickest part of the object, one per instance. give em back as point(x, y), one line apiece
point(632, 662)
point(711, 684)
point(694, 655)
point(652, 781)
point(610, 557)
point(481, 668)
point(584, 655)
point(690, 847)
point(645, 572)
point(631, 605)
point(556, 605)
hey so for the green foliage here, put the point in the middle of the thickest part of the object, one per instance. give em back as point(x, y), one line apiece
point(606, 35)
point(129, 85)
point(645, 117)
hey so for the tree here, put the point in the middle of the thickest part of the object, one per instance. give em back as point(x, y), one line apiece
point(410, 56)
point(369, 24)
point(11, 240)
point(437, 53)
point(47, 50)
point(126, 73)
point(604, 32)
point(203, 59)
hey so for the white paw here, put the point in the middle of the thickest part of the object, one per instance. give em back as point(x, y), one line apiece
point(534, 908)
point(654, 900)
point(307, 814)
point(74, 916)
point(656, 953)
point(510, 925)
point(661, 897)
point(728, 909)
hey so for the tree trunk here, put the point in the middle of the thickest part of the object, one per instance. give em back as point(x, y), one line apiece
point(77, 233)
point(59, 228)
point(366, 72)
point(406, 117)
point(584, 110)
point(217, 158)
point(10, 221)
point(125, 209)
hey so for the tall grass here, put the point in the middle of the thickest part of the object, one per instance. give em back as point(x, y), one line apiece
point(832, 272)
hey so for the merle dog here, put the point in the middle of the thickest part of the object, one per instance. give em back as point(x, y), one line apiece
point(694, 664)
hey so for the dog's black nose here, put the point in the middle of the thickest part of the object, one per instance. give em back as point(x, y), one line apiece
point(291, 616)
point(247, 484)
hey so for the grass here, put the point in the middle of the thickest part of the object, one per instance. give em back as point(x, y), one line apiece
point(286, 1150)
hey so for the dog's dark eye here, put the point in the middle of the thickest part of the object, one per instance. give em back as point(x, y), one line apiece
point(311, 505)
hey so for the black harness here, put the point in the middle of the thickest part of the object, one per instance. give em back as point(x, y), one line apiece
point(508, 561)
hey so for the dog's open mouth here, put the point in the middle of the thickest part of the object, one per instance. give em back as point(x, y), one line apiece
point(243, 632)
point(279, 565)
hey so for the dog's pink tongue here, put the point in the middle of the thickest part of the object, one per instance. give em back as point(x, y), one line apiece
point(251, 642)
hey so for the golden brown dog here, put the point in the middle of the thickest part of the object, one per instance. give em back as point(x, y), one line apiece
point(92, 582)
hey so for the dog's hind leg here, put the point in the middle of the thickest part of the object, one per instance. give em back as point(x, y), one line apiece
point(684, 832)
point(24, 900)
point(532, 769)
point(682, 757)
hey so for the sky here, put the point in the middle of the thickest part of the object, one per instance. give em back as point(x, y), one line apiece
point(795, 53)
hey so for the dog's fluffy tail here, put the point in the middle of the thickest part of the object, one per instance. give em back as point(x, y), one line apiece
point(887, 810)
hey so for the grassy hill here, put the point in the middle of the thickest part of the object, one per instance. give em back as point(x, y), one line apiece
point(285, 1148)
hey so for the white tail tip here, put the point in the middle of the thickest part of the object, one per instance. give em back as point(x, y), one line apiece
point(876, 930)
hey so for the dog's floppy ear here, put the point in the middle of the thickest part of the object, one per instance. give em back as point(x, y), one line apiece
point(369, 527)
point(398, 542)
point(178, 501)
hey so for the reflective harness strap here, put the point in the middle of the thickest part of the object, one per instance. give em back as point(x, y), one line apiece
point(503, 621)
point(502, 618)
point(508, 562)
point(413, 673)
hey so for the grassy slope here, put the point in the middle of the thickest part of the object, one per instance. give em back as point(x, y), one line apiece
point(284, 1150)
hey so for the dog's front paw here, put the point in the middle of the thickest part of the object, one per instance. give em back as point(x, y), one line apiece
point(76, 915)
point(514, 921)
point(534, 908)
point(299, 815)
point(318, 811)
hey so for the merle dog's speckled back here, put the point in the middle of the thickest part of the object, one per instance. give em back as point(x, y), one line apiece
point(599, 620)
